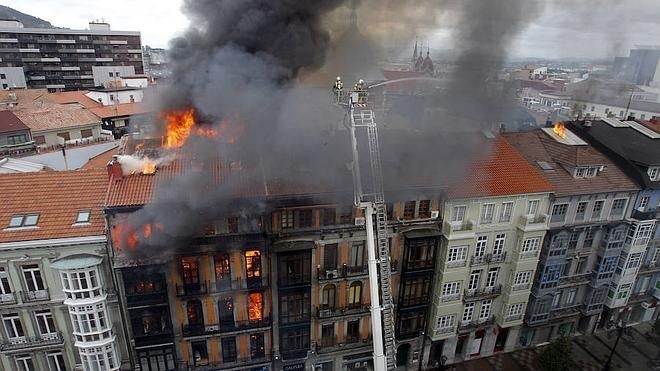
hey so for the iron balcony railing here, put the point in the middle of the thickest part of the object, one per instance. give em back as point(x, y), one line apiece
point(475, 324)
point(328, 312)
point(482, 293)
point(9, 298)
point(243, 363)
point(488, 258)
point(32, 296)
point(521, 286)
point(188, 289)
point(565, 311)
point(222, 327)
point(23, 342)
point(513, 317)
point(148, 297)
point(576, 279)
point(257, 283)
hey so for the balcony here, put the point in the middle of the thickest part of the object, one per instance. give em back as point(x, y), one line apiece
point(478, 260)
point(646, 215)
point(330, 345)
point(650, 267)
point(531, 223)
point(487, 259)
point(538, 318)
point(575, 280)
point(242, 363)
point(482, 293)
point(520, 287)
point(498, 258)
point(24, 342)
point(456, 264)
point(474, 325)
point(513, 317)
point(529, 254)
point(258, 283)
point(147, 297)
point(223, 327)
point(8, 298)
point(152, 338)
point(458, 230)
point(591, 309)
point(190, 289)
point(33, 296)
point(564, 312)
point(295, 279)
point(444, 330)
point(341, 311)
point(449, 298)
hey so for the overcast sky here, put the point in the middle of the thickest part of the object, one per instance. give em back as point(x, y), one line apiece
point(594, 28)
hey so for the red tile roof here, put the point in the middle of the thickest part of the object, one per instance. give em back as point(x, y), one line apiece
point(76, 96)
point(10, 123)
point(539, 146)
point(56, 197)
point(101, 160)
point(125, 109)
point(504, 171)
point(54, 117)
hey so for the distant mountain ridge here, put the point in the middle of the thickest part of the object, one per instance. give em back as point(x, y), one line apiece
point(27, 20)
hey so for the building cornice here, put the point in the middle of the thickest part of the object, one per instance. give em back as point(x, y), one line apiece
point(55, 242)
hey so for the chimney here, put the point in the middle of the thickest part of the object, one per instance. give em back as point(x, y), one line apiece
point(114, 168)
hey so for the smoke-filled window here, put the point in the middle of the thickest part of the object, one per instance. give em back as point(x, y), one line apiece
point(424, 209)
point(346, 215)
point(232, 224)
point(194, 312)
point(329, 216)
point(255, 306)
point(305, 218)
point(409, 210)
point(226, 311)
point(190, 270)
point(257, 347)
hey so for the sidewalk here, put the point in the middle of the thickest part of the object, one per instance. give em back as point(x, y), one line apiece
point(590, 352)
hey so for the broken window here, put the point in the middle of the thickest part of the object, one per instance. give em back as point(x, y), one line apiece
point(255, 306)
point(253, 264)
point(409, 210)
point(222, 272)
point(226, 311)
point(190, 269)
point(305, 218)
point(232, 224)
point(425, 209)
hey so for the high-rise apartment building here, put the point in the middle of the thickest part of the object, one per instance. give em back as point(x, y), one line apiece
point(64, 59)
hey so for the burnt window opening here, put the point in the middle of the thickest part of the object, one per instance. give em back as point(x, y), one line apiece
point(222, 271)
point(420, 253)
point(410, 324)
point(194, 312)
point(355, 294)
point(346, 215)
point(390, 211)
point(353, 331)
point(226, 311)
point(150, 321)
point(305, 218)
point(253, 264)
point(200, 353)
point(232, 224)
point(330, 256)
point(287, 219)
point(294, 340)
point(294, 307)
point(294, 269)
point(190, 270)
point(255, 306)
point(424, 209)
point(329, 216)
point(229, 349)
point(328, 299)
point(144, 284)
point(257, 345)
point(409, 210)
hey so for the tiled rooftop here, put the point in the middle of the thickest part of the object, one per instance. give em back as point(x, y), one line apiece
point(9, 122)
point(124, 109)
point(57, 197)
point(53, 116)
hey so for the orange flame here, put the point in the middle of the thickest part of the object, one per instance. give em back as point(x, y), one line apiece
point(125, 236)
point(255, 306)
point(559, 129)
point(149, 168)
point(179, 125)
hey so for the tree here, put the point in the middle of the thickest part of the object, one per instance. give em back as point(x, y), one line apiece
point(558, 356)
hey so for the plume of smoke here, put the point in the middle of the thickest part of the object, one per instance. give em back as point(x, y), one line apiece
point(132, 164)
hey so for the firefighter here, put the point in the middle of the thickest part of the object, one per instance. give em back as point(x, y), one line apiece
point(359, 86)
point(362, 93)
point(338, 84)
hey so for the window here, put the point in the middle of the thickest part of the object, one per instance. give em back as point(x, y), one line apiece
point(522, 278)
point(643, 202)
point(294, 339)
point(194, 312)
point(415, 291)
point(484, 313)
point(505, 212)
point(474, 280)
point(634, 260)
point(226, 311)
point(232, 224)
point(3, 76)
point(409, 210)
point(570, 296)
point(531, 244)
point(424, 209)
point(110, 74)
point(56, 361)
point(515, 309)
point(253, 264)
point(573, 239)
point(32, 275)
point(112, 97)
point(346, 215)
point(491, 277)
point(287, 219)
point(597, 210)
point(328, 297)
point(550, 275)
point(24, 363)
point(13, 327)
point(64, 135)
point(356, 258)
point(654, 173)
point(83, 216)
point(40, 139)
point(86, 133)
point(329, 216)
point(353, 331)
point(419, 253)
point(255, 306)
point(18, 221)
point(305, 218)
point(606, 267)
point(445, 322)
point(468, 311)
point(451, 288)
point(5, 288)
point(229, 349)
point(45, 322)
point(559, 213)
point(556, 300)
point(487, 211)
point(618, 206)
point(558, 244)
point(355, 294)
point(200, 353)
point(190, 270)
point(257, 348)
point(458, 214)
point(588, 238)
point(480, 248)
point(328, 335)
point(457, 254)
point(498, 247)
point(330, 256)
point(17, 139)
point(221, 267)
point(581, 209)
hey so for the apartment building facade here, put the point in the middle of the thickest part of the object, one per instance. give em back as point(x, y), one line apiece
point(591, 252)
point(64, 59)
point(635, 148)
point(57, 301)
point(491, 236)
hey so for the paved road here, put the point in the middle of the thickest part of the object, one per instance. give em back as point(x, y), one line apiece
point(76, 156)
point(590, 351)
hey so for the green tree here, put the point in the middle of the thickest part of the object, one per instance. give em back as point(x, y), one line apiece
point(558, 356)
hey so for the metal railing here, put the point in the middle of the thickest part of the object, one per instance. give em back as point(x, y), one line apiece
point(8, 298)
point(187, 289)
point(475, 324)
point(448, 298)
point(222, 327)
point(257, 283)
point(32, 296)
point(532, 220)
point(576, 279)
point(513, 317)
point(342, 311)
point(482, 293)
point(31, 341)
point(219, 365)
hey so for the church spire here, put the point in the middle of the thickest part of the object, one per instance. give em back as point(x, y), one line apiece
point(414, 57)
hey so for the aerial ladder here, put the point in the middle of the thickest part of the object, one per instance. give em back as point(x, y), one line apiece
point(360, 116)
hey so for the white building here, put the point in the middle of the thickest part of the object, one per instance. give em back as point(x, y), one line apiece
point(12, 77)
point(112, 96)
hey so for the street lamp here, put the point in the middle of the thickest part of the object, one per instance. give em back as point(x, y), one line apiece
point(620, 328)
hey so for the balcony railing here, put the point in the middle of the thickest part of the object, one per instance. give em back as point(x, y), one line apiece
point(576, 279)
point(448, 298)
point(521, 286)
point(538, 318)
point(150, 297)
point(8, 298)
point(226, 326)
point(488, 258)
point(565, 311)
point(297, 279)
point(475, 324)
point(341, 311)
point(31, 341)
point(444, 330)
point(529, 254)
point(482, 293)
point(32, 296)
point(478, 260)
point(257, 283)
point(456, 264)
point(465, 227)
point(243, 363)
point(589, 309)
point(188, 289)
point(527, 222)
point(498, 258)
point(513, 317)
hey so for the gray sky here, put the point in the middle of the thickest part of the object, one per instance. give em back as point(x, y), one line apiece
point(566, 28)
